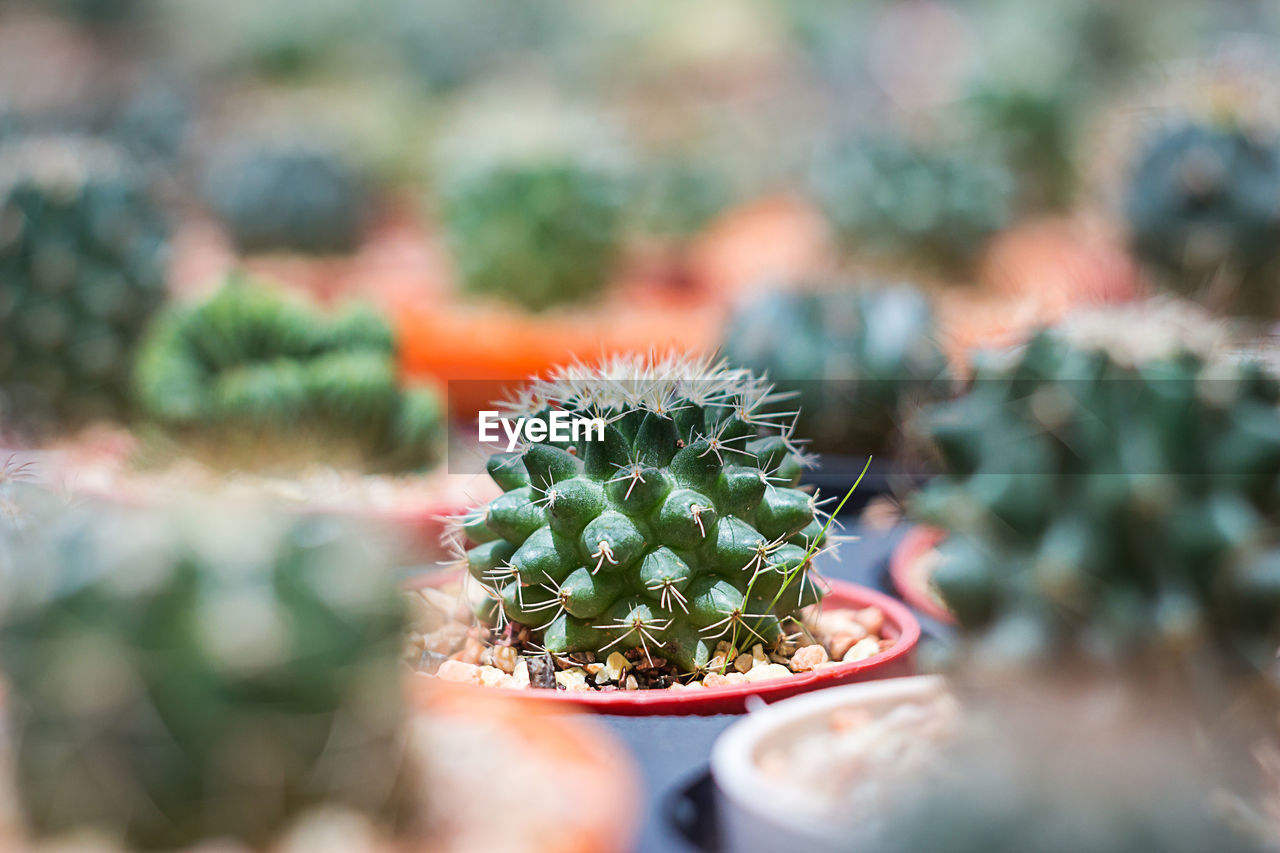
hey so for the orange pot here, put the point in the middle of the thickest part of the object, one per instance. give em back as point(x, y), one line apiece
point(577, 786)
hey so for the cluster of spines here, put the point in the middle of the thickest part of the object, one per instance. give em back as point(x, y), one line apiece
point(680, 528)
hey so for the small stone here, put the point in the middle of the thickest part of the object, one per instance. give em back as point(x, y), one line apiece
point(505, 657)
point(757, 653)
point(542, 672)
point(593, 668)
point(842, 642)
point(744, 662)
point(768, 672)
point(616, 664)
point(631, 683)
point(808, 657)
point(572, 679)
point(871, 618)
point(459, 671)
point(448, 639)
point(717, 663)
point(717, 679)
point(861, 650)
point(491, 676)
point(520, 675)
point(472, 650)
point(887, 643)
point(430, 662)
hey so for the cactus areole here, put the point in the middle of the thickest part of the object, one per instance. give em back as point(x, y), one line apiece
point(678, 527)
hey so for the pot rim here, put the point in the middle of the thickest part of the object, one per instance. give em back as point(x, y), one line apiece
point(919, 540)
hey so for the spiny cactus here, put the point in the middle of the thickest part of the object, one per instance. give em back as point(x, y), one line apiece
point(249, 360)
point(83, 250)
point(1204, 210)
point(680, 527)
point(889, 197)
point(197, 673)
point(857, 357)
point(1109, 494)
point(288, 196)
point(532, 208)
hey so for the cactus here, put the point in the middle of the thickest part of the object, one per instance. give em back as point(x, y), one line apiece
point(102, 12)
point(678, 195)
point(682, 526)
point(892, 198)
point(1108, 494)
point(288, 196)
point(531, 207)
point(249, 361)
point(184, 675)
point(1203, 207)
point(83, 258)
point(856, 358)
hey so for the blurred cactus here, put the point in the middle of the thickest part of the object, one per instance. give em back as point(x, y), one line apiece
point(532, 203)
point(891, 198)
point(1204, 210)
point(187, 675)
point(102, 12)
point(680, 528)
point(83, 249)
point(288, 196)
point(251, 362)
point(857, 359)
point(678, 195)
point(1108, 496)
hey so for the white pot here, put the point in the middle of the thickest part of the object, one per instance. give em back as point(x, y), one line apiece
point(756, 814)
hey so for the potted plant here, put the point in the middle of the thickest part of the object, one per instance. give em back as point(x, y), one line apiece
point(665, 566)
point(216, 670)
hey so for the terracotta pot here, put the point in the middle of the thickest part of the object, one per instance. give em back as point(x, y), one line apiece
point(590, 800)
point(909, 574)
point(898, 660)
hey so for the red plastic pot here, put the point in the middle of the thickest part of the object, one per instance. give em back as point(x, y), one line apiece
point(898, 660)
point(907, 574)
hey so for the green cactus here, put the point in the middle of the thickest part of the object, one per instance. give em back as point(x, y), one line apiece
point(1108, 495)
point(889, 197)
point(1203, 207)
point(102, 12)
point(198, 673)
point(288, 196)
point(248, 361)
point(857, 358)
point(82, 257)
point(681, 527)
point(678, 195)
point(531, 196)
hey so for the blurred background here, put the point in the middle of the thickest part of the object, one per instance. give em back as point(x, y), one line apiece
point(294, 246)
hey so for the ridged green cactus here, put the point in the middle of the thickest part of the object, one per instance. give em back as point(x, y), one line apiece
point(858, 358)
point(1108, 496)
point(890, 197)
point(1203, 207)
point(250, 361)
point(532, 204)
point(288, 196)
point(200, 673)
point(680, 528)
point(82, 257)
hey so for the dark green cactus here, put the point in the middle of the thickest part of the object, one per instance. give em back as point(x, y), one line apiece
point(889, 197)
point(678, 195)
point(1109, 492)
point(250, 361)
point(857, 358)
point(82, 258)
point(1204, 211)
point(198, 673)
point(288, 196)
point(680, 528)
point(535, 234)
